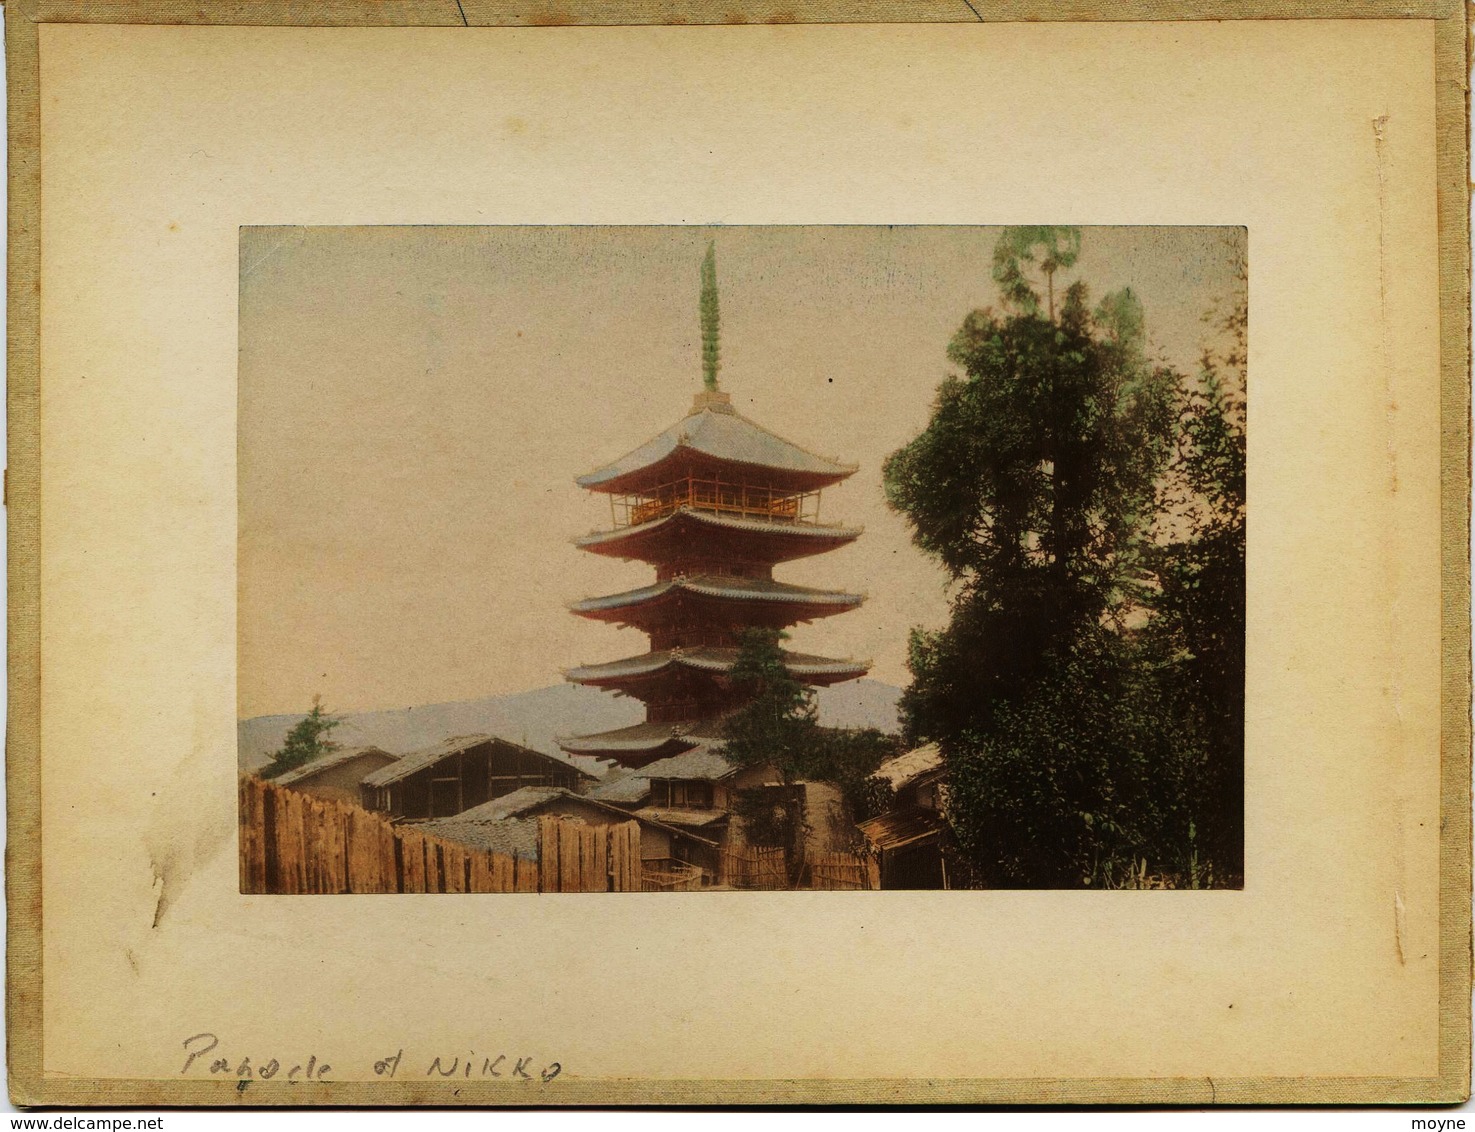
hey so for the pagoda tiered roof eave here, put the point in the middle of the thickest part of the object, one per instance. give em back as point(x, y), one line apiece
point(717, 435)
point(713, 659)
point(800, 602)
point(644, 738)
point(784, 541)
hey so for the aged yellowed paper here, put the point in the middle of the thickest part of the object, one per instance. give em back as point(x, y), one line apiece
point(1329, 976)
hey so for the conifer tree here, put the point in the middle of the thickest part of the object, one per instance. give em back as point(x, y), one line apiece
point(308, 740)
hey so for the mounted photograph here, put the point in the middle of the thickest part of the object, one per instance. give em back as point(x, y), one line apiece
point(735, 558)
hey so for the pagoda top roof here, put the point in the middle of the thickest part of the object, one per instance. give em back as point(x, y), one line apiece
point(715, 430)
point(722, 587)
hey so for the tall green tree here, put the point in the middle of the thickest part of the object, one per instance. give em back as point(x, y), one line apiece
point(1055, 248)
point(779, 727)
point(1034, 484)
point(306, 741)
point(1200, 567)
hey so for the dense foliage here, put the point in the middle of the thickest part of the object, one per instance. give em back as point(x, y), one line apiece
point(778, 727)
point(307, 741)
point(1077, 688)
point(1200, 567)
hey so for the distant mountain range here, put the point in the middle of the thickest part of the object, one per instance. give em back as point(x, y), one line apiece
point(534, 718)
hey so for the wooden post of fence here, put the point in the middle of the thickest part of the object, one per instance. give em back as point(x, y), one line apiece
point(481, 878)
point(243, 833)
point(314, 819)
point(527, 875)
point(341, 816)
point(412, 860)
point(591, 874)
point(364, 867)
point(253, 835)
point(616, 861)
point(289, 841)
point(435, 877)
point(456, 866)
point(568, 857)
point(548, 865)
point(632, 856)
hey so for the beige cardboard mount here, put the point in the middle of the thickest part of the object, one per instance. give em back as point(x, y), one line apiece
point(144, 134)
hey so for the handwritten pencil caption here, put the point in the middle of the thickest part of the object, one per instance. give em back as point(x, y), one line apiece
point(203, 1054)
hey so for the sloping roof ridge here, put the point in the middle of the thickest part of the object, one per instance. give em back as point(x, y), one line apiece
point(810, 452)
point(417, 760)
point(899, 770)
point(556, 792)
point(720, 585)
point(680, 435)
point(813, 530)
point(772, 587)
point(708, 657)
point(336, 757)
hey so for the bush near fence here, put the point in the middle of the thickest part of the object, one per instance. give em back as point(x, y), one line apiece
point(294, 843)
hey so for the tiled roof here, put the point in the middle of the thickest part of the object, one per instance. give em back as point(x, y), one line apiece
point(419, 760)
point(517, 837)
point(511, 805)
point(328, 762)
point(703, 764)
point(625, 788)
point(684, 817)
point(731, 522)
point(519, 806)
point(642, 736)
point(709, 659)
point(719, 432)
point(719, 586)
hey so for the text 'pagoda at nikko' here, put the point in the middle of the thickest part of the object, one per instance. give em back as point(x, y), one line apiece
point(714, 503)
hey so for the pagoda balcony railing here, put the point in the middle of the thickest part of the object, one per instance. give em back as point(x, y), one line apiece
point(717, 497)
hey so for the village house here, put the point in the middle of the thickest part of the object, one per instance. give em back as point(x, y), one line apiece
point(462, 773)
point(906, 839)
point(695, 790)
point(509, 824)
point(337, 775)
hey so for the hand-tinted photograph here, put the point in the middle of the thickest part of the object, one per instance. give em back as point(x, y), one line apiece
point(695, 559)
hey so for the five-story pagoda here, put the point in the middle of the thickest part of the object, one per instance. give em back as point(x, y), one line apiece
point(713, 503)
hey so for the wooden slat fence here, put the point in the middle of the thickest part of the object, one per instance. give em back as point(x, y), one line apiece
point(291, 842)
point(841, 871)
point(666, 874)
point(755, 867)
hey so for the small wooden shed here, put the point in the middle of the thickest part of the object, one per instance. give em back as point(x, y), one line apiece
point(907, 840)
point(336, 776)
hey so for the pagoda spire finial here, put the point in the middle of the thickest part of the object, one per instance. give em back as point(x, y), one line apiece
point(711, 356)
